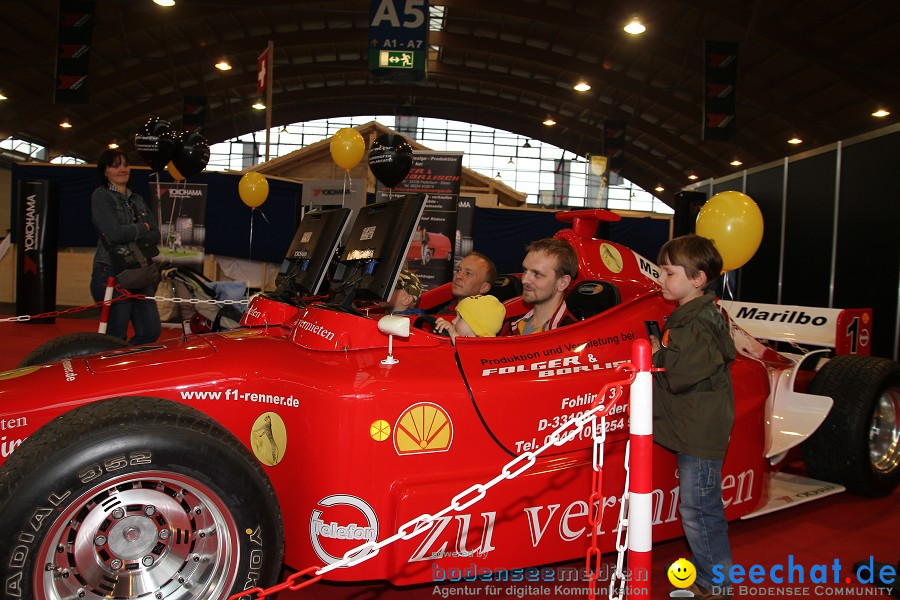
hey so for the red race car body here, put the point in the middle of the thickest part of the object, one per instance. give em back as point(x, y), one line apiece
point(354, 448)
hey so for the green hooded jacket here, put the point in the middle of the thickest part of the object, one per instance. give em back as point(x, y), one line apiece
point(693, 402)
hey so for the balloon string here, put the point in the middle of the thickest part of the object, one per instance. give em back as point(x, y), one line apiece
point(158, 205)
point(170, 229)
point(344, 194)
point(726, 287)
point(250, 251)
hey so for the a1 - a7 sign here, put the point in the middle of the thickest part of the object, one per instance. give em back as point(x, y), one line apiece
point(398, 39)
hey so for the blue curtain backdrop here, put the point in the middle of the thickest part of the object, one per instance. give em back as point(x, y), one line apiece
point(501, 234)
point(227, 218)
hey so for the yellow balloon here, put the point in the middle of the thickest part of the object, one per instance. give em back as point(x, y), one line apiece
point(253, 189)
point(347, 148)
point(733, 222)
point(174, 172)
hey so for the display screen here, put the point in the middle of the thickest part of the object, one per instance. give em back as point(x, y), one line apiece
point(315, 243)
point(376, 249)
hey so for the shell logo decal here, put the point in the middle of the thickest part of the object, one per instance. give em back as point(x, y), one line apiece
point(423, 427)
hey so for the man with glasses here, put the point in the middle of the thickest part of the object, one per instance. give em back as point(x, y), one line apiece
point(473, 276)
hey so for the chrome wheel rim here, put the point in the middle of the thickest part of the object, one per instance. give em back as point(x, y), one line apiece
point(884, 432)
point(144, 535)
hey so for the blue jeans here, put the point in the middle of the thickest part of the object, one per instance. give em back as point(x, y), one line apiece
point(703, 516)
point(141, 313)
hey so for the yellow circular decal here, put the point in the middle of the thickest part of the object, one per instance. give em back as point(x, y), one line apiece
point(611, 257)
point(18, 372)
point(268, 438)
point(682, 573)
point(380, 430)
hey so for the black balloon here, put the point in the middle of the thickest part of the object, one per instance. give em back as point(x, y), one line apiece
point(155, 143)
point(390, 159)
point(191, 154)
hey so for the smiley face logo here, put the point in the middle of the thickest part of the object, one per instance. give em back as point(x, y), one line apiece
point(682, 573)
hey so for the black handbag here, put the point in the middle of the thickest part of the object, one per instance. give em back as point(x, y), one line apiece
point(135, 271)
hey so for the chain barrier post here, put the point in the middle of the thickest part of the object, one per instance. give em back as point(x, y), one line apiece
point(640, 537)
point(104, 312)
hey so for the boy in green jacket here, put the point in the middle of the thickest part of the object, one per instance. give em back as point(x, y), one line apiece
point(693, 402)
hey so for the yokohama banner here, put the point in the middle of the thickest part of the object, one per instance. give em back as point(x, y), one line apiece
point(38, 227)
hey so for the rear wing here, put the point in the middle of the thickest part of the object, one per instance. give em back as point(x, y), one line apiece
point(848, 331)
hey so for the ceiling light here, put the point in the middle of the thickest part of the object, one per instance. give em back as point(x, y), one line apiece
point(693, 176)
point(659, 188)
point(2, 97)
point(113, 146)
point(510, 161)
point(165, 3)
point(795, 141)
point(582, 86)
point(223, 65)
point(527, 144)
point(259, 105)
point(881, 112)
point(498, 175)
point(65, 124)
point(283, 129)
point(635, 27)
point(549, 122)
point(735, 163)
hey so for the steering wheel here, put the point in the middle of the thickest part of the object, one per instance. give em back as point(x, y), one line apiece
point(430, 320)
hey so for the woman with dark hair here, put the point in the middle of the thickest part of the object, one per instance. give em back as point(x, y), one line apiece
point(121, 216)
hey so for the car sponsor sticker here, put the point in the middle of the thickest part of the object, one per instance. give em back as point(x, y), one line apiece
point(380, 430)
point(268, 438)
point(423, 427)
point(340, 523)
point(18, 372)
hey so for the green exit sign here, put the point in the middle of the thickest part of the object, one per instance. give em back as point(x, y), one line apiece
point(396, 59)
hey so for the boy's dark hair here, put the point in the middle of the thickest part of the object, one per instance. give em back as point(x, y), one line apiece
point(108, 159)
point(695, 254)
point(566, 259)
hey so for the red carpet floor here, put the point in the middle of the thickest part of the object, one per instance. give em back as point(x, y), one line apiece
point(843, 527)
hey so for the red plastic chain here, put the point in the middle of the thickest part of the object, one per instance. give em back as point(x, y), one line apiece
point(74, 309)
point(290, 583)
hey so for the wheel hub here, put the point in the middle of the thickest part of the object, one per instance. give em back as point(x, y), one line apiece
point(135, 538)
point(884, 432)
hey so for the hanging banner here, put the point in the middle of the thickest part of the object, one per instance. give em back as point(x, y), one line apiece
point(262, 72)
point(38, 227)
point(562, 177)
point(436, 174)
point(180, 209)
point(597, 183)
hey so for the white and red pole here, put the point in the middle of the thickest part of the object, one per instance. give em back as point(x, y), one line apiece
point(640, 466)
point(104, 312)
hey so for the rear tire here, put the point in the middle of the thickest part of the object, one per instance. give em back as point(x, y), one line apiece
point(858, 444)
point(136, 497)
point(71, 345)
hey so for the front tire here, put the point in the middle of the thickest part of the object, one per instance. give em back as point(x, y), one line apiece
point(136, 497)
point(70, 345)
point(858, 444)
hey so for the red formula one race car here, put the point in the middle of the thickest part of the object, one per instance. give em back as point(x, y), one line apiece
point(197, 468)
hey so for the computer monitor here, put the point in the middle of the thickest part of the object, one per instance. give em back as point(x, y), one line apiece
point(376, 250)
point(315, 243)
